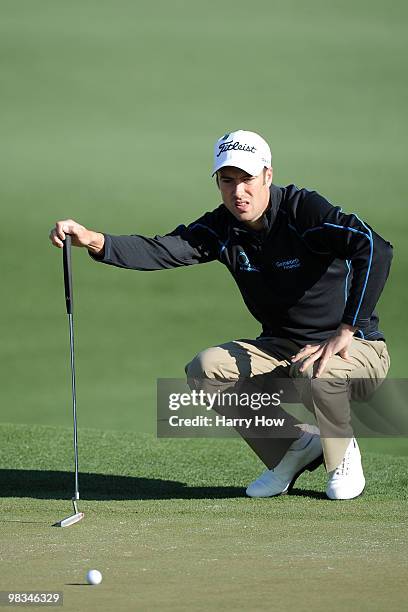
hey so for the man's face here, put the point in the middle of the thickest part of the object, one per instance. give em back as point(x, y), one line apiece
point(245, 196)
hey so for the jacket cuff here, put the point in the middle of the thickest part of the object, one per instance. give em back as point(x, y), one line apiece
point(104, 256)
point(351, 320)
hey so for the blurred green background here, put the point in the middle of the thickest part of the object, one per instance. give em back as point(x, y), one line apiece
point(109, 115)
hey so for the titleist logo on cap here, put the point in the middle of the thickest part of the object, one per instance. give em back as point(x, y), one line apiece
point(234, 146)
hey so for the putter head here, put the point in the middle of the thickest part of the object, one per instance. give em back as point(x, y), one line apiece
point(71, 520)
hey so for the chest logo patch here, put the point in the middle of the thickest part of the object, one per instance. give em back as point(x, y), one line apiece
point(244, 264)
point(288, 264)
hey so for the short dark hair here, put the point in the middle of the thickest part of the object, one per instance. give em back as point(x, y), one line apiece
point(217, 178)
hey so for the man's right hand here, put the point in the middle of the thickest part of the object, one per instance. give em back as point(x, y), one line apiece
point(80, 236)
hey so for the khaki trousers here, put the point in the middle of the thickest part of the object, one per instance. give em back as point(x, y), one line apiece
point(328, 397)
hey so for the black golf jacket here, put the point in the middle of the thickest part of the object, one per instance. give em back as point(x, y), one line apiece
point(310, 268)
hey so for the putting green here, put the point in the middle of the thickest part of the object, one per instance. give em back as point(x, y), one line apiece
point(167, 524)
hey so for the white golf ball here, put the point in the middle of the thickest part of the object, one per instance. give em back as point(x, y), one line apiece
point(94, 577)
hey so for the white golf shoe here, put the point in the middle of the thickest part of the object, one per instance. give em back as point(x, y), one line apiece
point(304, 454)
point(347, 480)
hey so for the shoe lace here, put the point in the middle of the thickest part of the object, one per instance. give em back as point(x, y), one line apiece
point(343, 468)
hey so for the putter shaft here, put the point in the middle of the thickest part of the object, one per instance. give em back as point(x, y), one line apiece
point(74, 411)
point(77, 516)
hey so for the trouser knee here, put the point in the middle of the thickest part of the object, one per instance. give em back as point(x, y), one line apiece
point(204, 365)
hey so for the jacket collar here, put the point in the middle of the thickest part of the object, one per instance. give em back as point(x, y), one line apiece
point(275, 199)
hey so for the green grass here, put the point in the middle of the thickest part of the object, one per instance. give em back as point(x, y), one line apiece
point(167, 523)
point(109, 114)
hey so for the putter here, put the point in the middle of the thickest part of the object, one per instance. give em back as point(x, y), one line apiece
point(66, 255)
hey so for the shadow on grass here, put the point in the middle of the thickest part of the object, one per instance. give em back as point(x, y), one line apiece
point(46, 484)
point(308, 493)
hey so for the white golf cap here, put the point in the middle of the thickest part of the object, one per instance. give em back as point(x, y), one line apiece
point(245, 150)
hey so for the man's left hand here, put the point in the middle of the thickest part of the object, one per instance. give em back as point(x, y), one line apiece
point(319, 354)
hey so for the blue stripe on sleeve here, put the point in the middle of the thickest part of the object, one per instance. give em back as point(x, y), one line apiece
point(370, 238)
point(348, 264)
point(351, 229)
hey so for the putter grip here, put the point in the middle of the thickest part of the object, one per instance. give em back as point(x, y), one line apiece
point(66, 257)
